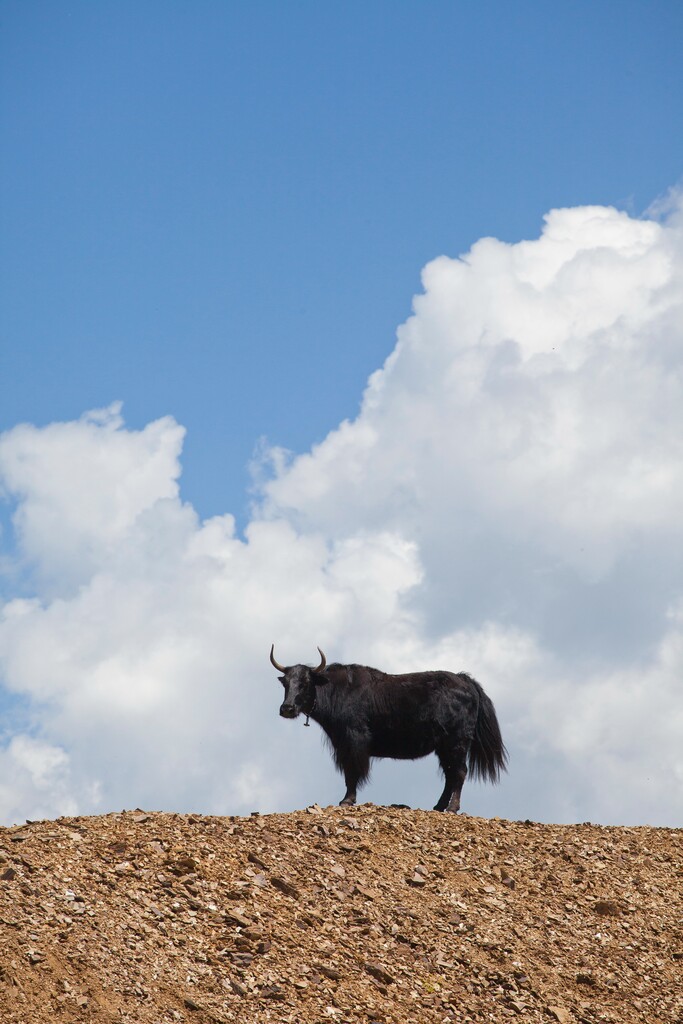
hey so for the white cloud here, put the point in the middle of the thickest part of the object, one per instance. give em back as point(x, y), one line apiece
point(67, 524)
point(506, 502)
point(35, 776)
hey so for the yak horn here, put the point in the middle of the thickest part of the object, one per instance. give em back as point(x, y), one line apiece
point(321, 666)
point(274, 663)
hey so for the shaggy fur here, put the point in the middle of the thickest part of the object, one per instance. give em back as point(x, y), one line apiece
point(366, 713)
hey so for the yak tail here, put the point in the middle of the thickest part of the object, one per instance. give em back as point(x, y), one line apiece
point(487, 756)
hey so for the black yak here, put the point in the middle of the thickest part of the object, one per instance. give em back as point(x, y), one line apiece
point(366, 713)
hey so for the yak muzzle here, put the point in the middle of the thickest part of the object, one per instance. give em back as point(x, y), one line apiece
point(288, 711)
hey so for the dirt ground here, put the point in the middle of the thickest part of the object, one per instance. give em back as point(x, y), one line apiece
point(369, 914)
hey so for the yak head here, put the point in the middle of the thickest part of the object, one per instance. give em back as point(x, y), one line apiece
point(300, 683)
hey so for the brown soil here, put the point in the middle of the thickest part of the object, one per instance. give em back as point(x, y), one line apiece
point(341, 915)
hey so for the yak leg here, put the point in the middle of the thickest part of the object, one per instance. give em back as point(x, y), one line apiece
point(355, 765)
point(453, 762)
point(351, 787)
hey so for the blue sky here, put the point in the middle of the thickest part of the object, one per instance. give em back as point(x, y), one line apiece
point(220, 210)
point(404, 259)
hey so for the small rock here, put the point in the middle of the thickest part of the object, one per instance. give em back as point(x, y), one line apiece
point(272, 992)
point(238, 892)
point(363, 890)
point(379, 973)
point(8, 875)
point(182, 866)
point(237, 958)
point(606, 908)
point(286, 887)
point(560, 1014)
point(237, 916)
point(190, 1004)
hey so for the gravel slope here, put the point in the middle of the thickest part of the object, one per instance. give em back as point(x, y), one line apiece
point(337, 914)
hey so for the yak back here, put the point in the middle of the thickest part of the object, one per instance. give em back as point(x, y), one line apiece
point(381, 692)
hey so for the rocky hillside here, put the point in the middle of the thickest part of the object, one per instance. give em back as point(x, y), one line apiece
point(337, 914)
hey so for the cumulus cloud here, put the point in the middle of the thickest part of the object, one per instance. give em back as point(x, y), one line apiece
point(506, 502)
point(523, 433)
point(68, 525)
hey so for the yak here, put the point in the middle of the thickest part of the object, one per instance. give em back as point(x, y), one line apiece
point(366, 713)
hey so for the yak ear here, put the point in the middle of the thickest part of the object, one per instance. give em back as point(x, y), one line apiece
point(282, 679)
point(319, 678)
